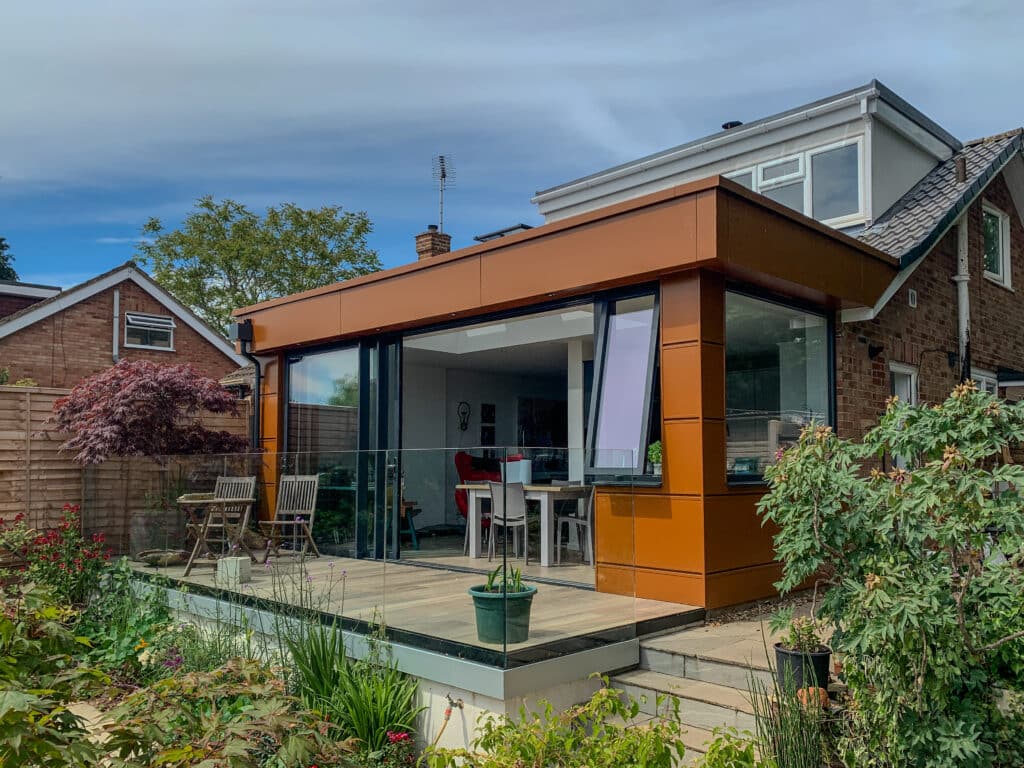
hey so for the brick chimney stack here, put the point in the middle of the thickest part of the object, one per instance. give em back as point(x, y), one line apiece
point(432, 243)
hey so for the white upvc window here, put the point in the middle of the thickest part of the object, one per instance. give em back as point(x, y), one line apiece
point(986, 381)
point(825, 183)
point(996, 233)
point(903, 379)
point(142, 331)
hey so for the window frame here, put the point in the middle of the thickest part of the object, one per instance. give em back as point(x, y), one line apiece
point(1004, 278)
point(788, 302)
point(750, 169)
point(982, 376)
point(150, 322)
point(905, 369)
point(806, 176)
point(602, 312)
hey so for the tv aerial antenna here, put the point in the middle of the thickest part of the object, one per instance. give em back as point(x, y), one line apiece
point(444, 175)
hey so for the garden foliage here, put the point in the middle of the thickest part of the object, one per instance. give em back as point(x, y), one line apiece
point(141, 408)
point(922, 556)
point(600, 733)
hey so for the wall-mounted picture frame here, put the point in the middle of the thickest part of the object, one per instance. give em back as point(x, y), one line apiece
point(487, 412)
point(487, 434)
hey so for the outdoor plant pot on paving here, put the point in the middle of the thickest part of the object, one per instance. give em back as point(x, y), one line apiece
point(502, 616)
point(805, 668)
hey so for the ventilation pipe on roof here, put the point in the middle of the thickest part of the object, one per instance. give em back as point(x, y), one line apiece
point(963, 301)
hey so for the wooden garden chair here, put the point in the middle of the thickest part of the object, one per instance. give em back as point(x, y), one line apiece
point(293, 516)
point(224, 522)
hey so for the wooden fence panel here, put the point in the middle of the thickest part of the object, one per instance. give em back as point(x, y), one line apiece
point(37, 479)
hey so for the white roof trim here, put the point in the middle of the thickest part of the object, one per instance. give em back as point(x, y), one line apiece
point(75, 295)
point(32, 291)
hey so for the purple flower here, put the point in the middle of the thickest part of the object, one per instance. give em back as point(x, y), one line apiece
point(309, 578)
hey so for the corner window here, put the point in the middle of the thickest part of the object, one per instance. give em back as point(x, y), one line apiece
point(776, 380)
point(996, 231)
point(148, 331)
point(743, 178)
point(625, 365)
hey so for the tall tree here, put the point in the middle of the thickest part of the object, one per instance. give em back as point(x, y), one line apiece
point(6, 257)
point(225, 256)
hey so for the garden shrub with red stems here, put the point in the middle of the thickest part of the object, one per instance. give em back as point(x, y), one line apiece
point(141, 408)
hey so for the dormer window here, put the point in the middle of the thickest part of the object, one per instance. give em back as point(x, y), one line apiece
point(824, 183)
point(148, 331)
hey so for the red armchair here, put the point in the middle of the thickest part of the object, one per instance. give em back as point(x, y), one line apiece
point(470, 474)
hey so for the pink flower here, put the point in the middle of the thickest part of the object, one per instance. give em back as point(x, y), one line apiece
point(397, 736)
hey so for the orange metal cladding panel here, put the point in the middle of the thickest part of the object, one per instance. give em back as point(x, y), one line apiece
point(616, 579)
point(681, 382)
point(680, 308)
point(713, 441)
point(613, 528)
point(692, 381)
point(620, 249)
point(687, 588)
point(733, 535)
point(670, 533)
point(298, 322)
point(683, 457)
point(270, 375)
point(735, 587)
point(759, 239)
point(269, 417)
point(439, 292)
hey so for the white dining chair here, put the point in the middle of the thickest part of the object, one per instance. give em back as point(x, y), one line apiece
point(508, 511)
point(584, 523)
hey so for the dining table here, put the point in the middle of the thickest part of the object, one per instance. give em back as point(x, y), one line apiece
point(544, 495)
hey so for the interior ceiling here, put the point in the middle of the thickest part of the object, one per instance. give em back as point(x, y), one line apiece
point(541, 359)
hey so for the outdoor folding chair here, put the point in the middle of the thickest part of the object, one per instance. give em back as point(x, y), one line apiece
point(223, 524)
point(293, 516)
point(508, 510)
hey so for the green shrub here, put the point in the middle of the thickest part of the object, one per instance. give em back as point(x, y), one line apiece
point(927, 602)
point(730, 749)
point(38, 677)
point(237, 716)
point(364, 699)
point(600, 733)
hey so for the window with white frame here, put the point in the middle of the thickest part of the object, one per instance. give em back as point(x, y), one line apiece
point(996, 230)
point(903, 381)
point(824, 182)
point(986, 381)
point(148, 331)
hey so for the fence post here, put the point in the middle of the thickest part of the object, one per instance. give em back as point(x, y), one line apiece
point(28, 458)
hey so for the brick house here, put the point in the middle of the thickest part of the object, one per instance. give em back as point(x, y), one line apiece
point(57, 338)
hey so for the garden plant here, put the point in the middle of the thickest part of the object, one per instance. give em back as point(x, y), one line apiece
point(915, 534)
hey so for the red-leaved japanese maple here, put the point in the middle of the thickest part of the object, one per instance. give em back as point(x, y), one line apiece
point(141, 408)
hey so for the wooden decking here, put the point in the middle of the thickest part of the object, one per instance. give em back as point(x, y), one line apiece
point(433, 603)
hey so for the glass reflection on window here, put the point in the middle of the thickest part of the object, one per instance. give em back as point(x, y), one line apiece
point(777, 380)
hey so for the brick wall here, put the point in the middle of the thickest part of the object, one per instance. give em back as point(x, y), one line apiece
point(11, 304)
point(61, 350)
point(924, 336)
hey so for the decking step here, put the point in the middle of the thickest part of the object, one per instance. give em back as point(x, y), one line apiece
point(701, 704)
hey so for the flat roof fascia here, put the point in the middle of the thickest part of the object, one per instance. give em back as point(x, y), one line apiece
point(631, 243)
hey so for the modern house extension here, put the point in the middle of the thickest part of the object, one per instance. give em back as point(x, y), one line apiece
point(715, 297)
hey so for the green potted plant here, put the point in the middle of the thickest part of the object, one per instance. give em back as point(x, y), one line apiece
point(654, 456)
point(503, 607)
point(801, 656)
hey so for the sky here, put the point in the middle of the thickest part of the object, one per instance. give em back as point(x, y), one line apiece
point(113, 111)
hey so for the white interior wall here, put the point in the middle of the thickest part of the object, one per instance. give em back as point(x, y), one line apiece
point(423, 421)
